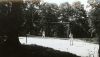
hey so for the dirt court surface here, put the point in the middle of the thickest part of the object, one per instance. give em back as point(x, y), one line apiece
point(79, 48)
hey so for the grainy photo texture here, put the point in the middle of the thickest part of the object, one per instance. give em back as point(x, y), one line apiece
point(49, 28)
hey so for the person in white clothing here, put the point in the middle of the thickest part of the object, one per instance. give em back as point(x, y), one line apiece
point(43, 34)
point(71, 38)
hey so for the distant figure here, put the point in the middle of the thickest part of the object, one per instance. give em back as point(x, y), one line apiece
point(43, 34)
point(71, 38)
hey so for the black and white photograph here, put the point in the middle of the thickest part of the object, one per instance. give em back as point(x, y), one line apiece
point(49, 28)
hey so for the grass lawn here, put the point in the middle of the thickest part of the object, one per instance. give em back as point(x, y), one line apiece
point(89, 40)
point(33, 51)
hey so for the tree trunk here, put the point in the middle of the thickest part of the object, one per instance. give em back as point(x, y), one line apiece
point(14, 24)
point(12, 40)
point(11, 44)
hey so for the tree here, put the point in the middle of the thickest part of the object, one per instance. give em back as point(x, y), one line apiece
point(14, 23)
point(79, 24)
point(30, 13)
point(94, 18)
point(65, 12)
point(3, 19)
point(48, 14)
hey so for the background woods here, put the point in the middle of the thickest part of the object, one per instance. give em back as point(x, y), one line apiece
point(24, 17)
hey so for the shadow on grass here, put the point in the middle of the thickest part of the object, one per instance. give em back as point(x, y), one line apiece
point(34, 51)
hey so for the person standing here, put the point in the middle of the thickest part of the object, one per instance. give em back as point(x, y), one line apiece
point(71, 38)
point(43, 34)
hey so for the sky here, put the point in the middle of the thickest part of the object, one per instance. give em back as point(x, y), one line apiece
point(61, 1)
point(70, 1)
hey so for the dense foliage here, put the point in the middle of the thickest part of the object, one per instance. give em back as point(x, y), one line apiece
point(21, 18)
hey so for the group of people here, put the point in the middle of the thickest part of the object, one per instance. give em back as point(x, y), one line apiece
point(70, 36)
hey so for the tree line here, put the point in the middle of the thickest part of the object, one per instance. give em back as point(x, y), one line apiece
point(29, 17)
